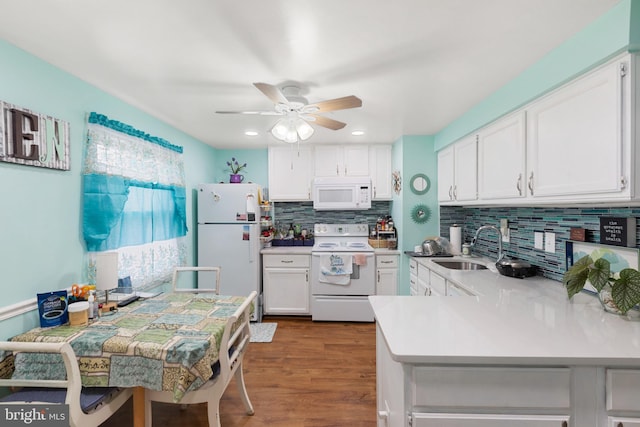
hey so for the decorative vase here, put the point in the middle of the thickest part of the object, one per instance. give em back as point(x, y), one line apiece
point(236, 178)
point(605, 298)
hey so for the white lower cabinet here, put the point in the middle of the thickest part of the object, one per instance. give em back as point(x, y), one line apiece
point(438, 284)
point(416, 395)
point(488, 420)
point(413, 277)
point(386, 274)
point(424, 287)
point(623, 422)
point(286, 286)
point(623, 397)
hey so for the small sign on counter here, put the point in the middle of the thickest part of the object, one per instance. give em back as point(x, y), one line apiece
point(618, 231)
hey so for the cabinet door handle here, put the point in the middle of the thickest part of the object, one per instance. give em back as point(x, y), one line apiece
point(455, 192)
point(337, 169)
point(451, 192)
point(530, 185)
point(345, 170)
point(286, 261)
point(386, 262)
point(306, 276)
point(519, 184)
point(378, 276)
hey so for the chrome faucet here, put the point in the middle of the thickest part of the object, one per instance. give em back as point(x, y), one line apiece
point(497, 230)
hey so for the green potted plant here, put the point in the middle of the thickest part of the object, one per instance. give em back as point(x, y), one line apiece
point(618, 292)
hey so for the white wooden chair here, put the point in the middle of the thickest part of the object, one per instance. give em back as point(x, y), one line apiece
point(88, 406)
point(233, 346)
point(178, 270)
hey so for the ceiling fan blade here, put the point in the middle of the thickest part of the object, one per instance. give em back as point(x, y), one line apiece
point(272, 92)
point(337, 104)
point(327, 122)
point(261, 113)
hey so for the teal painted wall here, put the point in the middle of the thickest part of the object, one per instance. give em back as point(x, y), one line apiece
point(257, 166)
point(415, 154)
point(610, 34)
point(41, 245)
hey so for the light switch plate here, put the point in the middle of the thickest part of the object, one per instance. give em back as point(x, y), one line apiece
point(550, 242)
point(538, 240)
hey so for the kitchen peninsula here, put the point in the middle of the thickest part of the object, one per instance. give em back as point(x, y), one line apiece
point(519, 353)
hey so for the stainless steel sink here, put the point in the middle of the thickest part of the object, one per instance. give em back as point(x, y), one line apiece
point(461, 265)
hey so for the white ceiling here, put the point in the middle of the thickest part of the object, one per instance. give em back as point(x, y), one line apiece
point(416, 64)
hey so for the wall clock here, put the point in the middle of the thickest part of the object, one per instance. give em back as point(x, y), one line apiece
point(420, 214)
point(420, 183)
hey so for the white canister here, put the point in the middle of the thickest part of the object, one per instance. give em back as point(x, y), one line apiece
point(79, 313)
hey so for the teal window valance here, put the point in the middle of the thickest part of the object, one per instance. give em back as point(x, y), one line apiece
point(134, 199)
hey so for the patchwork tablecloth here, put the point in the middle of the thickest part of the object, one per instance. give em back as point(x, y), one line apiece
point(167, 343)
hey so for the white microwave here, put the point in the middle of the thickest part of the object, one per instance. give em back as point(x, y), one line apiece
point(342, 193)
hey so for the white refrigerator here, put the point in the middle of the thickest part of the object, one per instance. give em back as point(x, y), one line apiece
point(229, 237)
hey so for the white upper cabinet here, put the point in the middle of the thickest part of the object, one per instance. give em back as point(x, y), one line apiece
point(502, 159)
point(341, 160)
point(576, 138)
point(380, 168)
point(290, 173)
point(458, 171)
point(574, 145)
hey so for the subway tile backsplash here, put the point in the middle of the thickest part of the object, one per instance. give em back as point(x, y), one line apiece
point(285, 213)
point(523, 222)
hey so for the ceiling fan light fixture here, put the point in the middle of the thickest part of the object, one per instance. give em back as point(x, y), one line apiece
point(304, 129)
point(279, 130)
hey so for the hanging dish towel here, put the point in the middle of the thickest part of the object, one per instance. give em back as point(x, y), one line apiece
point(336, 269)
point(360, 259)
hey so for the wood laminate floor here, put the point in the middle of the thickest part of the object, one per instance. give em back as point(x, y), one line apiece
point(313, 374)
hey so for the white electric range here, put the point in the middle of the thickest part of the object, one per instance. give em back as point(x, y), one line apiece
point(342, 273)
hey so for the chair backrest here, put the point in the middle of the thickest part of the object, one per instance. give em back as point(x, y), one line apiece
point(72, 383)
point(202, 287)
point(235, 338)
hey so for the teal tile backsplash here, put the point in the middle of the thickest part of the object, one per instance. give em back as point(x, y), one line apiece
point(523, 222)
point(285, 213)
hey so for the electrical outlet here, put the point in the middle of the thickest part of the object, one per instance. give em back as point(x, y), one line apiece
point(550, 242)
point(538, 240)
point(504, 229)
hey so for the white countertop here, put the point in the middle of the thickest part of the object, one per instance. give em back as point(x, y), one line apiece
point(287, 250)
point(306, 250)
point(513, 321)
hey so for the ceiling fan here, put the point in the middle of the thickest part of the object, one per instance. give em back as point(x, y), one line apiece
point(298, 113)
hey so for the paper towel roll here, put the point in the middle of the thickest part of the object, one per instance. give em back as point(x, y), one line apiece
point(455, 238)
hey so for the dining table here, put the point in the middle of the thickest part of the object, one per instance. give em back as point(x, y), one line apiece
point(167, 343)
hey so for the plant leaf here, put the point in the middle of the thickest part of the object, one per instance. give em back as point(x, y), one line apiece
point(600, 273)
point(626, 290)
point(576, 276)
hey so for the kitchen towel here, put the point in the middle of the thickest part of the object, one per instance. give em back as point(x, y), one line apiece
point(336, 269)
point(360, 259)
point(455, 238)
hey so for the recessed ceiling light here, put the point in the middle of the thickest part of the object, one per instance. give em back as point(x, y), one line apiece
point(251, 133)
point(357, 133)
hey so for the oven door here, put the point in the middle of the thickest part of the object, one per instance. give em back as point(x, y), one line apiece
point(361, 282)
